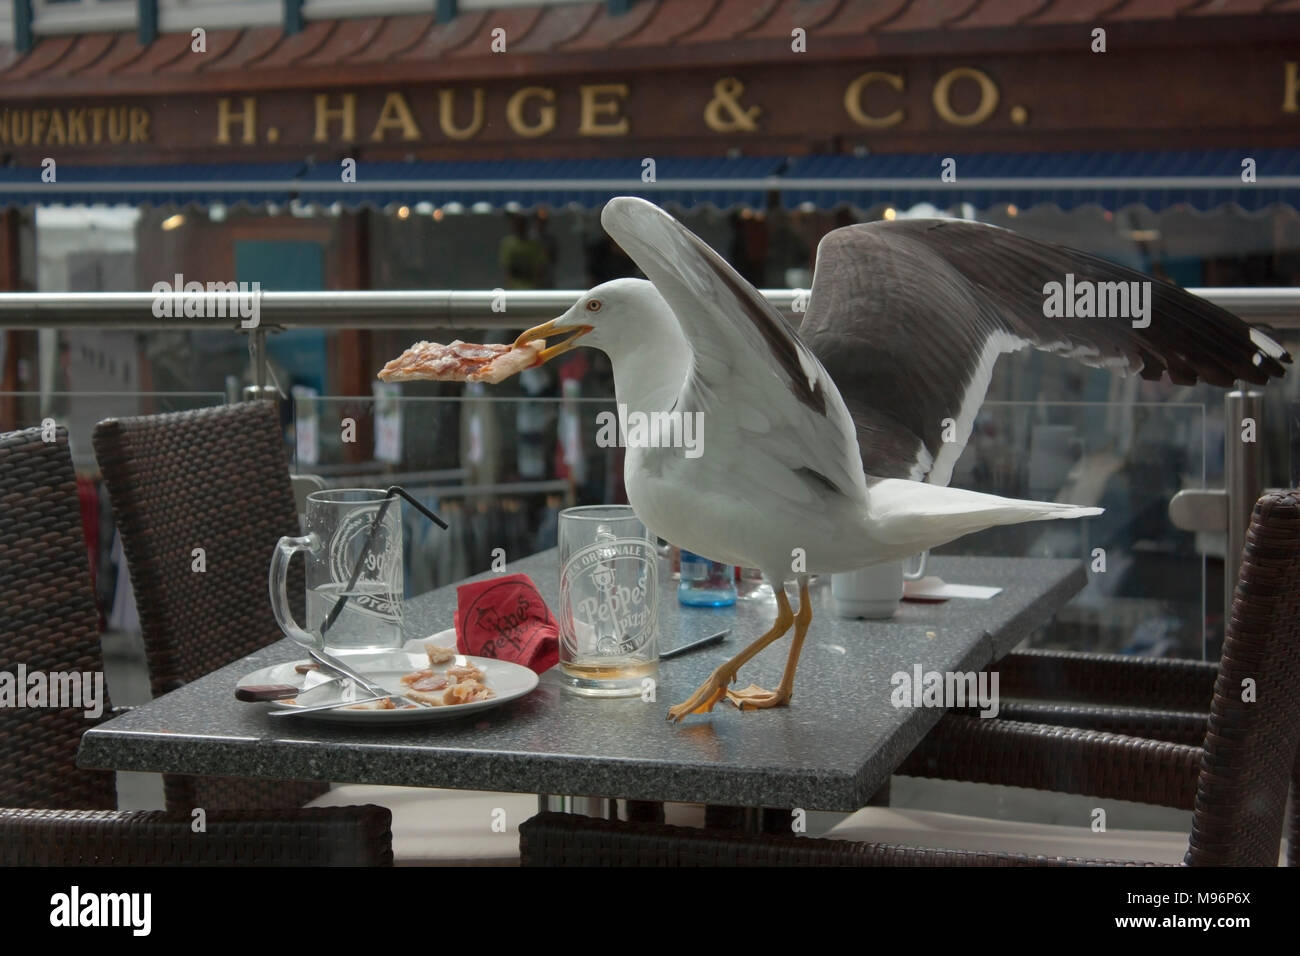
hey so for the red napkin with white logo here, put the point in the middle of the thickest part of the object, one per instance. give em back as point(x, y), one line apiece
point(504, 617)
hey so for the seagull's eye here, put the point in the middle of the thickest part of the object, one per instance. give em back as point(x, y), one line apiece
point(593, 305)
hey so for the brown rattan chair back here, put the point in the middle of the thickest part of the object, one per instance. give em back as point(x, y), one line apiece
point(48, 623)
point(215, 479)
point(1254, 729)
point(320, 836)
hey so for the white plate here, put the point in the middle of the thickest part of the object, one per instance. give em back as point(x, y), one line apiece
point(507, 680)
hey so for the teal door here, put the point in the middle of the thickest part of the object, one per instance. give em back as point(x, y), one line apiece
point(289, 267)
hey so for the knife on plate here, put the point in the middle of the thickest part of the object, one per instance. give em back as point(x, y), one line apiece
point(332, 663)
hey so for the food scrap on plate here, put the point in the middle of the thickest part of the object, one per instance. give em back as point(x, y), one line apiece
point(458, 684)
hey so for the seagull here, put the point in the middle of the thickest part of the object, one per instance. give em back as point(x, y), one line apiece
point(830, 449)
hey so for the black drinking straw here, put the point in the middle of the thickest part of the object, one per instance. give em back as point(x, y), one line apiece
point(370, 542)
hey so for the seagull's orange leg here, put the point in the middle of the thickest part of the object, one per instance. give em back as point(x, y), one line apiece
point(755, 696)
point(715, 688)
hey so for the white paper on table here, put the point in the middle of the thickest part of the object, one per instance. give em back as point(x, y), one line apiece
point(388, 422)
point(937, 589)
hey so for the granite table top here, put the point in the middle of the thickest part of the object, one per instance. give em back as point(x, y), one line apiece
point(831, 749)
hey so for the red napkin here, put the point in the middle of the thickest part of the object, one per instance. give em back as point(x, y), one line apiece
point(505, 617)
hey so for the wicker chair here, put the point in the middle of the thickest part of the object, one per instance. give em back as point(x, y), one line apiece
point(1235, 780)
point(48, 622)
point(340, 836)
point(216, 479)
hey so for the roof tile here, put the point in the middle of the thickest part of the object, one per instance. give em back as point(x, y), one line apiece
point(45, 54)
point(928, 15)
point(606, 30)
point(444, 37)
point(795, 13)
point(298, 46)
point(858, 17)
point(671, 19)
point(1073, 11)
point(219, 43)
point(551, 31)
point(253, 44)
point(396, 36)
point(89, 48)
point(998, 13)
point(168, 48)
point(730, 19)
point(1230, 8)
point(557, 26)
point(517, 23)
point(1149, 10)
point(351, 38)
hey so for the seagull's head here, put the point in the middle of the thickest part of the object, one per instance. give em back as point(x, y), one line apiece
point(597, 319)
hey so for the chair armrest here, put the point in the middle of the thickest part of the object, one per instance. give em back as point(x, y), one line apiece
point(1064, 759)
point(1156, 682)
point(1175, 726)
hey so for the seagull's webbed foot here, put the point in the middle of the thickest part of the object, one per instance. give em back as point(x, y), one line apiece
point(709, 693)
point(755, 697)
point(716, 687)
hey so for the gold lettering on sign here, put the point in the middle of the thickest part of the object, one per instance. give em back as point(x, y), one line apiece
point(139, 125)
point(76, 127)
point(57, 126)
point(853, 100)
point(18, 128)
point(117, 124)
point(988, 97)
point(246, 118)
point(345, 114)
point(726, 100)
point(395, 114)
point(58, 133)
point(447, 115)
point(545, 113)
point(597, 108)
point(1290, 85)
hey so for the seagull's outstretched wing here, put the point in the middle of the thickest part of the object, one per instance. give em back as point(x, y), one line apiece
point(909, 317)
point(750, 371)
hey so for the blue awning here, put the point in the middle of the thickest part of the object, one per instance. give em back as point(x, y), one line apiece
point(178, 185)
point(1204, 179)
point(723, 182)
point(586, 182)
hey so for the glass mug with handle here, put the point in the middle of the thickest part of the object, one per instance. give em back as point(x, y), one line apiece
point(873, 592)
point(338, 525)
point(609, 601)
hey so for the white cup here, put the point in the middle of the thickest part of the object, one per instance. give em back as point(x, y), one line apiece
point(873, 592)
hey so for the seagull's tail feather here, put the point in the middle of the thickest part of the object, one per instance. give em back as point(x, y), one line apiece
point(911, 516)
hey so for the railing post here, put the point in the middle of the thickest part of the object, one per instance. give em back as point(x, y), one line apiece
point(1241, 480)
point(257, 350)
point(257, 356)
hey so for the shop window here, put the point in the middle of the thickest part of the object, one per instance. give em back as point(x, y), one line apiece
point(184, 15)
point(82, 16)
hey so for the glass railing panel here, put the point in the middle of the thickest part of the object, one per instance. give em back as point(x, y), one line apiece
point(1131, 459)
point(79, 411)
point(497, 469)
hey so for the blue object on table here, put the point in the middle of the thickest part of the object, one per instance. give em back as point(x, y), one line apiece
point(706, 583)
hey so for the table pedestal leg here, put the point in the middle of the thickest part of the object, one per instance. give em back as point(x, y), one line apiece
point(586, 806)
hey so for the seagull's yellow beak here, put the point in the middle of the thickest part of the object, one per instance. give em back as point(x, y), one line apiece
point(548, 329)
